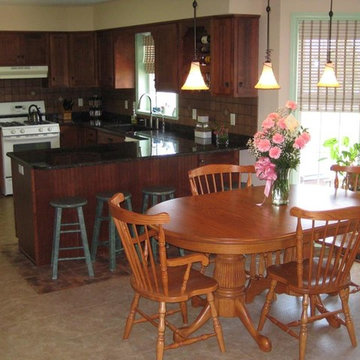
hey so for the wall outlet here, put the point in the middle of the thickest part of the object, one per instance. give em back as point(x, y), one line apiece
point(80, 102)
point(232, 119)
point(21, 169)
point(126, 104)
point(194, 114)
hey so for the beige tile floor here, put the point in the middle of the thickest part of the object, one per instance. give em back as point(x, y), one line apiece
point(86, 322)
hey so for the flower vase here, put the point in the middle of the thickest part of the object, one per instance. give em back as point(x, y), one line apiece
point(222, 138)
point(281, 187)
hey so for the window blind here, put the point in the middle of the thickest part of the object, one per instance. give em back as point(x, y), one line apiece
point(345, 54)
point(149, 54)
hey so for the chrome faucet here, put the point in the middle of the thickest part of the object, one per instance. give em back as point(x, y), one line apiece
point(150, 101)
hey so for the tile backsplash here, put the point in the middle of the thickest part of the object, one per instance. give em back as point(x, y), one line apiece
point(217, 108)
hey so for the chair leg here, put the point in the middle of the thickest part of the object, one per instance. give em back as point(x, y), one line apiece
point(303, 327)
point(85, 241)
point(161, 332)
point(131, 316)
point(96, 231)
point(266, 307)
point(184, 312)
point(344, 296)
point(216, 322)
point(56, 243)
point(112, 245)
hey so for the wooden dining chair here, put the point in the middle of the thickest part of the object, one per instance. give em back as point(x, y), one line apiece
point(349, 176)
point(173, 280)
point(323, 269)
point(219, 177)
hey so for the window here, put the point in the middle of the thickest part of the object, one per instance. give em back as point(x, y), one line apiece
point(326, 112)
point(165, 103)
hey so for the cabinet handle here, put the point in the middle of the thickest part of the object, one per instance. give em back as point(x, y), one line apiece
point(240, 84)
point(202, 162)
point(226, 84)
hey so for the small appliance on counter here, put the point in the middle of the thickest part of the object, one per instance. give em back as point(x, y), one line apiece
point(95, 110)
point(202, 131)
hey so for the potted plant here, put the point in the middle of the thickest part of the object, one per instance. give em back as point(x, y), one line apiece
point(344, 154)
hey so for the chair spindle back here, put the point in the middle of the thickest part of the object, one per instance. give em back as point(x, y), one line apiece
point(326, 251)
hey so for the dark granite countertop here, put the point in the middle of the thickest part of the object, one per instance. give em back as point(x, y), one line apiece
point(139, 144)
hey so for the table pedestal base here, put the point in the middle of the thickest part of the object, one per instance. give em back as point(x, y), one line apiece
point(230, 298)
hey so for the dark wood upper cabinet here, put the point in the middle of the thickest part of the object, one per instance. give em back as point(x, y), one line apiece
point(23, 48)
point(59, 60)
point(234, 55)
point(82, 59)
point(116, 58)
point(166, 39)
point(124, 57)
point(105, 47)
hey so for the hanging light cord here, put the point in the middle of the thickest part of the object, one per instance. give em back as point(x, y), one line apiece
point(330, 27)
point(195, 51)
point(268, 51)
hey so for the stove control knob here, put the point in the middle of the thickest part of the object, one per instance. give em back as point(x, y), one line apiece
point(41, 129)
point(13, 131)
point(49, 129)
point(22, 130)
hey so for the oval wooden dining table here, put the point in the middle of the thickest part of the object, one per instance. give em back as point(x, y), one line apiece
point(233, 223)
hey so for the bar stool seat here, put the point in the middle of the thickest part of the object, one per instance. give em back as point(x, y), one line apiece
point(113, 242)
point(75, 227)
point(156, 194)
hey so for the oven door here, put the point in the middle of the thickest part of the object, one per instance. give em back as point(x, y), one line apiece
point(23, 143)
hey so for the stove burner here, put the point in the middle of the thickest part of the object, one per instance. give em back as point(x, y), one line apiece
point(10, 123)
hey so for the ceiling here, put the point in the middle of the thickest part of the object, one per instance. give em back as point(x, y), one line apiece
point(51, 2)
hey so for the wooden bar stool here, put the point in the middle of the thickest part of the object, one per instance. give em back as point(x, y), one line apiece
point(76, 227)
point(157, 194)
point(113, 242)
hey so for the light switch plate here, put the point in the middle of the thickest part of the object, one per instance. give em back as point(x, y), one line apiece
point(194, 113)
point(232, 119)
point(80, 102)
point(126, 104)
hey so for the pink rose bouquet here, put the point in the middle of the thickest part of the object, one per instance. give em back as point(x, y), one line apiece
point(277, 145)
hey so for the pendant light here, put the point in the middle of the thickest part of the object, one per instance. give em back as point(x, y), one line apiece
point(267, 80)
point(195, 80)
point(328, 78)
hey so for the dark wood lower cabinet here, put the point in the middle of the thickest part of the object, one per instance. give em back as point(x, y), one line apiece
point(35, 188)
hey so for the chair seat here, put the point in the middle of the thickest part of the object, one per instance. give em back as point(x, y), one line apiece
point(106, 195)
point(287, 275)
point(197, 284)
point(68, 202)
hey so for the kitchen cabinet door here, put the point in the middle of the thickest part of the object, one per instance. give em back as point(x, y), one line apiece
point(69, 135)
point(234, 55)
point(23, 48)
point(104, 137)
point(105, 47)
point(82, 55)
point(59, 61)
point(166, 39)
point(124, 52)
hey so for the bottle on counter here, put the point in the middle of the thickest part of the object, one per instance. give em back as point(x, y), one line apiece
point(133, 116)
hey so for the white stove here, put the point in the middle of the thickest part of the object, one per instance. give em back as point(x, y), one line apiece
point(19, 133)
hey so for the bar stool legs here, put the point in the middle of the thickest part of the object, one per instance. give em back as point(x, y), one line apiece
point(76, 227)
point(113, 242)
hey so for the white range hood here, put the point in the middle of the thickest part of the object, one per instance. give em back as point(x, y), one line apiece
point(23, 72)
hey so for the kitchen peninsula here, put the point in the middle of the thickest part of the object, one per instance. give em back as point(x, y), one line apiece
point(42, 175)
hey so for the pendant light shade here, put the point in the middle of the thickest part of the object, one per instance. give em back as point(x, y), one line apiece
point(328, 78)
point(195, 80)
point(267, 80)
